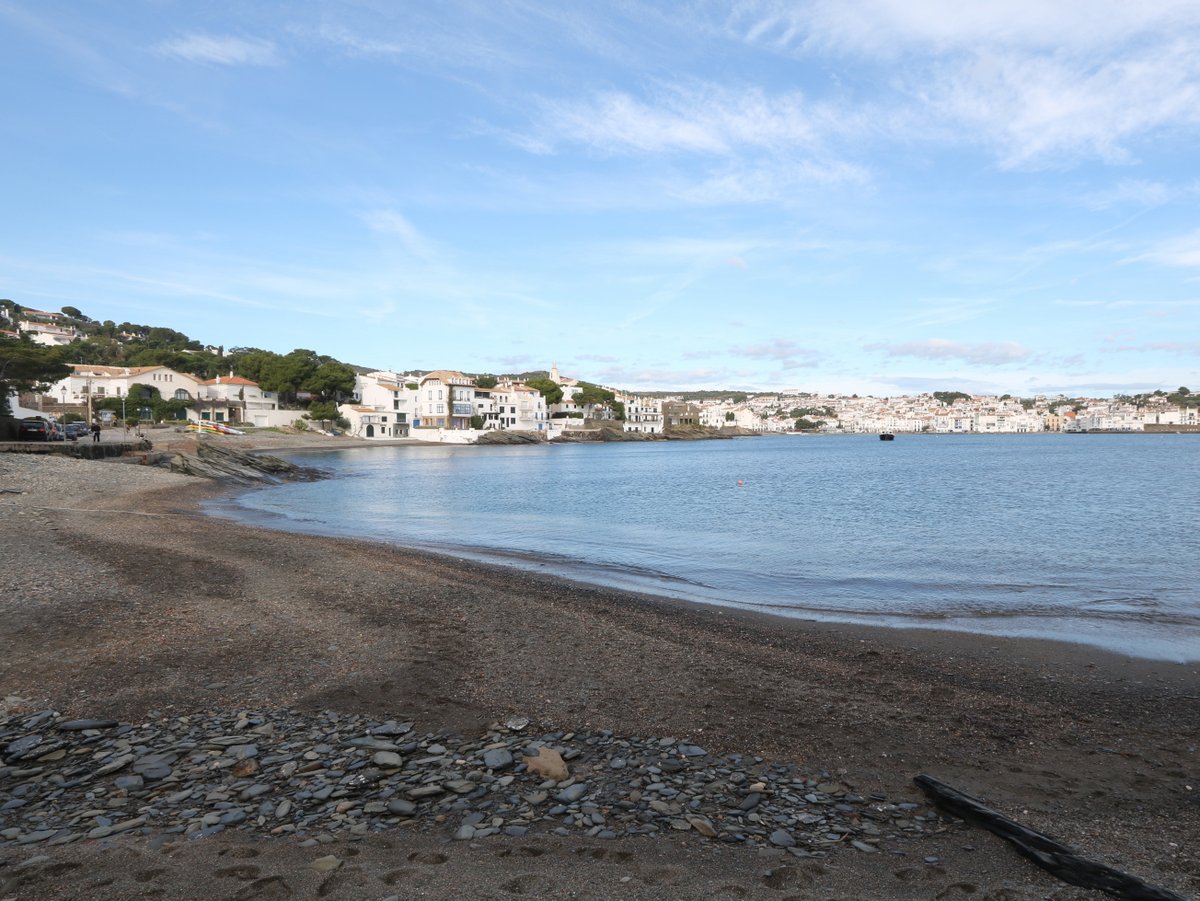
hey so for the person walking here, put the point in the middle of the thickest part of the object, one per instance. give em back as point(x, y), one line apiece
point(95, 432)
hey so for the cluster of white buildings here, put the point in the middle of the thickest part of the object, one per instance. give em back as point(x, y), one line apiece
point(978, 414)
point(50, 329)
point(446, 405)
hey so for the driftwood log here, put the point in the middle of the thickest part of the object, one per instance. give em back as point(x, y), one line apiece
point(1061, 860)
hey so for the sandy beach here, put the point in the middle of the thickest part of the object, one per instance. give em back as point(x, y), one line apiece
point(121, 601)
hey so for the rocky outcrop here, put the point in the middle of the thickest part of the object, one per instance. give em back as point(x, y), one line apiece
point(616, 432)
point(509, 437)
point(211, 460)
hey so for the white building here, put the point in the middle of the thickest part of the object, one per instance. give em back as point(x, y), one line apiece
point(50, 329)
point(520, 408)
point(643, 414)
point(386, 405)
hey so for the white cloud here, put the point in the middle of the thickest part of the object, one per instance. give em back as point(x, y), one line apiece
point(389, 222)
point(784, 351)
point(1182, 251)
point(1040, 82)
point(893, 27)
point(222, 50)
point(1047, 109)
point(702, 118)
point(986, 353)
point(632, 378)
point(1130, 191)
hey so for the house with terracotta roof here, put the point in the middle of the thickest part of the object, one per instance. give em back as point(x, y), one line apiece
point(95, 382)
point(445, 400)
point(231, 398)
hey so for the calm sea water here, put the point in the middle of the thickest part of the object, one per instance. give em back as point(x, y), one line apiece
point(1085, 538)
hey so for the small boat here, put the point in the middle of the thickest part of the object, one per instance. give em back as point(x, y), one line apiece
point(886, 436)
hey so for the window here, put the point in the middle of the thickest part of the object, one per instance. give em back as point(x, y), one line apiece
point(441, 408)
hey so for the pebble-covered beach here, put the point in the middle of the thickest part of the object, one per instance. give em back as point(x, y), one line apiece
point(191, 708)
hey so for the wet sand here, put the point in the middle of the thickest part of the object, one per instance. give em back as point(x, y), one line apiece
point(121, 601)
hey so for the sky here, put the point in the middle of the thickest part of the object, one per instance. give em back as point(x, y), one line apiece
point(881, 196)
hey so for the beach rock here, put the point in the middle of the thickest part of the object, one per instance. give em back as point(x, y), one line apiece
point(326, 864)
point(80, 725)
point(497, 759)
point(387, 759)
point(547, 763)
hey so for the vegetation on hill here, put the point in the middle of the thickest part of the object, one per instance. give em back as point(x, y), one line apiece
point(299, 377)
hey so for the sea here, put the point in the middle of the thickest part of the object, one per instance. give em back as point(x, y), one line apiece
point(1088, 538)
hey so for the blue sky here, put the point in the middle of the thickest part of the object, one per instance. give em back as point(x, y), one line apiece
point(882, 196)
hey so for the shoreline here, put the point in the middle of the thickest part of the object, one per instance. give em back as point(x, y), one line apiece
point(1090, 747)
point(1095, 635)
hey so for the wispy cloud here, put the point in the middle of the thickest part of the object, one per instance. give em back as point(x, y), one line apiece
point(1182, 251)
point(897, 27)
point(987, 353)
point(1136, 192)
point(943, 311)
point(787, 353)
point(394, 224)
point(1190, 348)
point(633, 378)
point(221, 50)
point(1042, 84)
point(706, 119)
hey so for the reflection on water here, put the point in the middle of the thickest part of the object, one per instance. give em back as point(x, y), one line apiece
point(1083, 538)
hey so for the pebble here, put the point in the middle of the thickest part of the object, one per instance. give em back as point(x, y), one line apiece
point(324, 776)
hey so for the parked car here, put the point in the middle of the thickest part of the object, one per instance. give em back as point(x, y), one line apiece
point(76, 430)
point(35, 429)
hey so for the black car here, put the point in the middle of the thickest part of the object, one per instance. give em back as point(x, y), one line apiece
point(35, 429)
point(76, 430)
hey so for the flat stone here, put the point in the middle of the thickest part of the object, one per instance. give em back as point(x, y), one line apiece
point(21, 746)
point(400, 807)
point(374, 744)
point(117, 763)
point(41, 835)
point(572, 793)
point(781, 838)
point(703, 826)
point(426, 791)
point(387, 759)
point(497, 759)
point(326, 864)
point(80, 725)
point(129, 783)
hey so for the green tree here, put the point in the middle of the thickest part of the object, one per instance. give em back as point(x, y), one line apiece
point(331, 379)
point(485, 381)
point(949, 397)
point(477, 421)
point(552, 391)
point(808, 425)
point(322, 410)
point(25, 366)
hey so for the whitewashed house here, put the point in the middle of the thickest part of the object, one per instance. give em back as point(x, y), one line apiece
point(520, 407)
point(643, 414)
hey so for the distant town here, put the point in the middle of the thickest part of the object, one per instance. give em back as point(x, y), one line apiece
point(143, 373)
